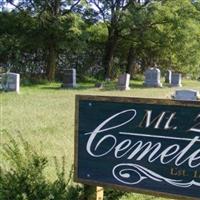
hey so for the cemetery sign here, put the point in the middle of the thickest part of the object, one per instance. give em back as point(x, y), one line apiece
point(144, 145)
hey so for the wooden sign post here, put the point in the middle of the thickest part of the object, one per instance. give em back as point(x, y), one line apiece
point(99, 193)
point(147, 146)
point(93, 192)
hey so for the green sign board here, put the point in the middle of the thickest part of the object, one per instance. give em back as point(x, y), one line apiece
point(144, 145)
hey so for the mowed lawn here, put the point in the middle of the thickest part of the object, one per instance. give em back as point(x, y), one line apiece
point(44, 116)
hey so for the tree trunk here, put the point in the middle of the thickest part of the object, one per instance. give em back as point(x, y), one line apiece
point(109, 53)
point(130, 60)
point(132, 66)
point(51, 62)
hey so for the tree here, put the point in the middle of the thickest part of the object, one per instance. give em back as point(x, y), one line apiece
point(100, 35)
point(111, 12)
point(56, 24)
point(163, 33)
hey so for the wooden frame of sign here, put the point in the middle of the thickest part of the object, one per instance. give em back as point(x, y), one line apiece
point(140, 145)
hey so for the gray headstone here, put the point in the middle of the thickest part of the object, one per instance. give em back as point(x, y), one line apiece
point(152, 78)
point(11, 82)
point(176, 80)
point(123, 82)
point(69, 78)
point(168, 76)
point(186, 95)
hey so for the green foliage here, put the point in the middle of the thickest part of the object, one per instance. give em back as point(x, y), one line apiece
point(97, 33)
point(25, 179)
point(41, 38)
point(33, 81)
point(39, 121)
point(138, 77)
point(114, 194)
point(164, 33)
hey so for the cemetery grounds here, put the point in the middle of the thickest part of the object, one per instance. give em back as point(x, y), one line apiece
point(44, 116)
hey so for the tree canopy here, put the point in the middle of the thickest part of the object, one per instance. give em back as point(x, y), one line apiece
point(99, 37)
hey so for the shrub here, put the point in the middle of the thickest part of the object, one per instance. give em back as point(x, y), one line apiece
point(25, 179)
point(111, 194)
point(138, 77)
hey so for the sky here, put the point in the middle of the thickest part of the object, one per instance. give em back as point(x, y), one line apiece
point(9, 6)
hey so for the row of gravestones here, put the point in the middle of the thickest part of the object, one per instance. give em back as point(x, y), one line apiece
point(153, 78)
point(11, 82)
point(187, 95)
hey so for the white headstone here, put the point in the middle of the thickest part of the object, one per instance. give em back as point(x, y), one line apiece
point(152, 78)
point(176, 80)
point(11, 82)
point(186, 95)
point(123, 82)
point(69, 78)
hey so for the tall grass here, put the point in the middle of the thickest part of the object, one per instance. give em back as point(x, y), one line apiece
point(25, 178)
point(44, 115)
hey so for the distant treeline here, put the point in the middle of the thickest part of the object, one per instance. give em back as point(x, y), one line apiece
point(98, 37)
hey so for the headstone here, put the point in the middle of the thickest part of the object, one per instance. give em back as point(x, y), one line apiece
point(152, 78)
point(176, 80)
point(186, 95)
point(123, 82)
point(168, 76)
point(10, 82)
point(69, 78)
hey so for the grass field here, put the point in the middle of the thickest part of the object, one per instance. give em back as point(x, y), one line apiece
point(44, 116)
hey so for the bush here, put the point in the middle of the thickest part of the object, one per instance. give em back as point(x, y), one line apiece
point(25, 179)
point(29, 81)
point(138, 77)
point(111, 194)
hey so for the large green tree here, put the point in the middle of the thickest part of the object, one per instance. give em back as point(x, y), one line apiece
point(96, 34)
point(163, 33)
point(111, 13)
point(56, 25)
